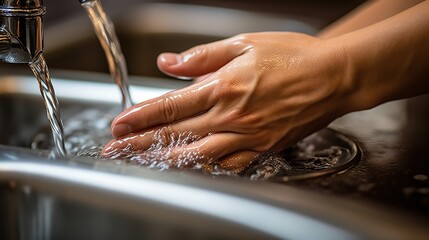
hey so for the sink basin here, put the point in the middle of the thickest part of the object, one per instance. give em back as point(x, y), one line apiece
point(91, 198)
point(146, 30)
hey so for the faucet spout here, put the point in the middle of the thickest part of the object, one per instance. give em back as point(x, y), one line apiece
point(84, 1)
point(21, 30)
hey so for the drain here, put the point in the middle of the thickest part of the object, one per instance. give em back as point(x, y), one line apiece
point(323, 153)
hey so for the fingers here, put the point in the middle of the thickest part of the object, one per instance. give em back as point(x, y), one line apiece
point(198, 127)
point(200, 60)
point(184, 147)
point(165, 109)
point(193, 100)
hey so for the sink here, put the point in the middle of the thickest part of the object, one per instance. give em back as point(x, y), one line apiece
point(81, 199)
point(42, 198)
point(94, 102)
point(146, 30)
point(91, 198)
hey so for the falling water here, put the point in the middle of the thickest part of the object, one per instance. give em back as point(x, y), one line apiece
point(41, 71)
point(109, 41)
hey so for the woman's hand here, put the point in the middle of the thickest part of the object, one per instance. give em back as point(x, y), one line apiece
point(266, 91)
point(261, 91)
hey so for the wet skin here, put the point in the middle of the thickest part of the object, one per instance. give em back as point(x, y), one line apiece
point(266, 91)
point(231, 108)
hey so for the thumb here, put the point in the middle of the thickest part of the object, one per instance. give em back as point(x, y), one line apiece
point(199, 60)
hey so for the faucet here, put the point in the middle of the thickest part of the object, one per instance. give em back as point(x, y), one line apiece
point(21, 30)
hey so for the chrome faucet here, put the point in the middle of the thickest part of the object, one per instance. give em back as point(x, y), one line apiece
point(21, 30)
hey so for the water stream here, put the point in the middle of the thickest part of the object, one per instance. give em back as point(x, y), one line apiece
point(106, 33)
point(41, 72)
point(109, 41)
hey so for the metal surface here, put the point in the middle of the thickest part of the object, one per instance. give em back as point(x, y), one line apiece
point(324, 139)
point(394, 169)
point(90, 198)
point(84, 1)
point(21, 30)
point(33, 193)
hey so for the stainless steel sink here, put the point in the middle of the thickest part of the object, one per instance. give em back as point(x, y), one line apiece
point(95, 199)
point(88, 198)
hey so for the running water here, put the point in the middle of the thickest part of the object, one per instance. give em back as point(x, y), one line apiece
point(106, 34)
point(109, 41)
point(41, 72)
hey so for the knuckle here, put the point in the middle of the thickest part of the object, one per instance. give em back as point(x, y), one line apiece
point(200, 52)
point(252, 120)
point(246, 119)
point(245, 39)
point(166, 135)
point(169, 108)
point(243, 119)
point(228, 91)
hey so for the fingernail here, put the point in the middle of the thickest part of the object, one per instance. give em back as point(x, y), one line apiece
point(171, 59)
point(120, 130)
point(108, 148)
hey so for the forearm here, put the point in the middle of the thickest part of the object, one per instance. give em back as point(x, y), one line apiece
point(365, 15)
point(388, 60)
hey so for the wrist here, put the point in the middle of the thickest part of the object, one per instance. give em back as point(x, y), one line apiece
point(349, 89)
point(361, 73)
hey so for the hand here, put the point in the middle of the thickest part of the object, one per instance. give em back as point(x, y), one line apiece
point(262, 91)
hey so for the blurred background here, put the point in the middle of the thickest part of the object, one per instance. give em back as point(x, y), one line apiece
point(148, 27)
point(322, 12)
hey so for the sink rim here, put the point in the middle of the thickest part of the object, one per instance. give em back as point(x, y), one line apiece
point(106, 180)
point(142, 88)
